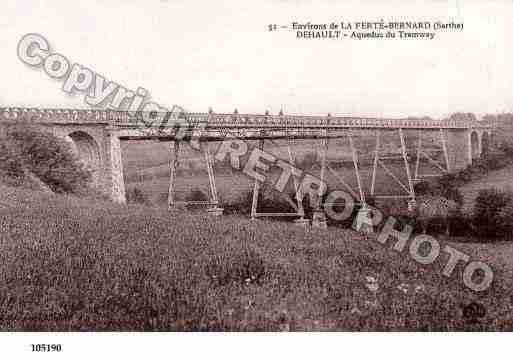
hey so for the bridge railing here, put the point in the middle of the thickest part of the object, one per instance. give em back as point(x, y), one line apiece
point(53, 115)
point(214, 120)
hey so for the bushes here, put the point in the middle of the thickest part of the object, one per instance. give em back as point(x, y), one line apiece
point(136, 195)
point(460, 224)
point(308, 161)
point(485, 221)
point(11, 168)
point(196, 195)
point(465, 175)
point(505, 218)
point(491, 217)
point(47, 157)
point(495, 160)
point(424, 188)
point(448, 179)
point(506, 148)
point(272, 201)
point(452, 193)
point(269, 200)
point(446, 186)
point(498, 162)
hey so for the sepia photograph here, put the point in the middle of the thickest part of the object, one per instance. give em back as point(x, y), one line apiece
point(290, 176)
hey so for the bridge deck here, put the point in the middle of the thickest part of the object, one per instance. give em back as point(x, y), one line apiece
point(213, 121)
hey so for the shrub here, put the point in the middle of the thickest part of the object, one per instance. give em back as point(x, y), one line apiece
point(506, 148)
point(424, 188)
point(308, 161)
point(136, 195)
point(488, 206)
point(49, 158)
point(196, 195)
point(460, 224)
point(435, 225)
point(498, 162)
point(480, 166)
point(465, 175)
point(506, 219)
point(11, 167)
point(269, 201)
point(446, 186)
point(498, 159)
point(448, 179)
point(453, 193)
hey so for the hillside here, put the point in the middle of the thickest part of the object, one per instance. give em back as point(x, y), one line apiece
point(499, 178)
point(77, 264)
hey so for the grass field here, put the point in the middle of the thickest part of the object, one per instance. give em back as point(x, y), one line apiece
point(86, 265)
point(83, 264)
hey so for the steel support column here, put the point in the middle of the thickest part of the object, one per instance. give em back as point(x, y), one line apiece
point(256, 188)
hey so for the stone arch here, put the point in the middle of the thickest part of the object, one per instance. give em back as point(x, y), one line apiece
point(474, 145)
point(485, 144)
point(88, 151)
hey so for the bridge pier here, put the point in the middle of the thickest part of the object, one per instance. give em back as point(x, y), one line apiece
point(99, 148)
point(465, 145)
point(113, 183)
point(458, 149)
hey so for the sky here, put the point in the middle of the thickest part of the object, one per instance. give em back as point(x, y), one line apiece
point(220, 54)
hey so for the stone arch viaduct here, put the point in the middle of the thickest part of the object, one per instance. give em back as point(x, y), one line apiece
point(95, 135)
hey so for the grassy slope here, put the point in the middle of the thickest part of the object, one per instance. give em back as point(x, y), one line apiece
point(83, 265)
point(500, 179)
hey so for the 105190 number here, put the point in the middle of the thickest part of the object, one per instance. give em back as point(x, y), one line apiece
point(46, 347)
